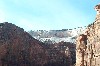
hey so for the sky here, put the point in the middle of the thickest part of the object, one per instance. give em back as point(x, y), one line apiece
point(48, 14)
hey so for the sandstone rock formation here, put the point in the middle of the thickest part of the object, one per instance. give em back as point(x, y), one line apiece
point(81, 50)
point(18, 48)
point(89, 53)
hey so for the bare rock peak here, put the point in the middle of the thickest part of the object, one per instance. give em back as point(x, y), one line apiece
point(97, 8)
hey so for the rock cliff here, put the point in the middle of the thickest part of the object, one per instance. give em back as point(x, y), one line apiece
point(88, 46)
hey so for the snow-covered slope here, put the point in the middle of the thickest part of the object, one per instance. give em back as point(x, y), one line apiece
point(55, 36)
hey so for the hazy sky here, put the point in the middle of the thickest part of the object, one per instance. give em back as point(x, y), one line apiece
point(48, 14)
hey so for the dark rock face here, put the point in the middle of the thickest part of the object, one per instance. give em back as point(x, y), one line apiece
point(61, 54)
point(18, 48)
point(69, 50)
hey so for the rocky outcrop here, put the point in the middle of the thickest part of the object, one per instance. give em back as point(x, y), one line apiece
point(18, 48)
point(81, 50)
point(88, 54)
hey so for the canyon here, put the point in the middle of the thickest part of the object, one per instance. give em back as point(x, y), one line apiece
point(66, 47)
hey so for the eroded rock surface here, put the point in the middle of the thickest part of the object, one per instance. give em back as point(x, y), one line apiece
point(89, 53)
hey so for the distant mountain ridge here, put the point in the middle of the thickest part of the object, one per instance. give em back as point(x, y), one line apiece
point(66, 35)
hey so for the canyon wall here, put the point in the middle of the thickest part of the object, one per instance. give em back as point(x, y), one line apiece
point(88, 45)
